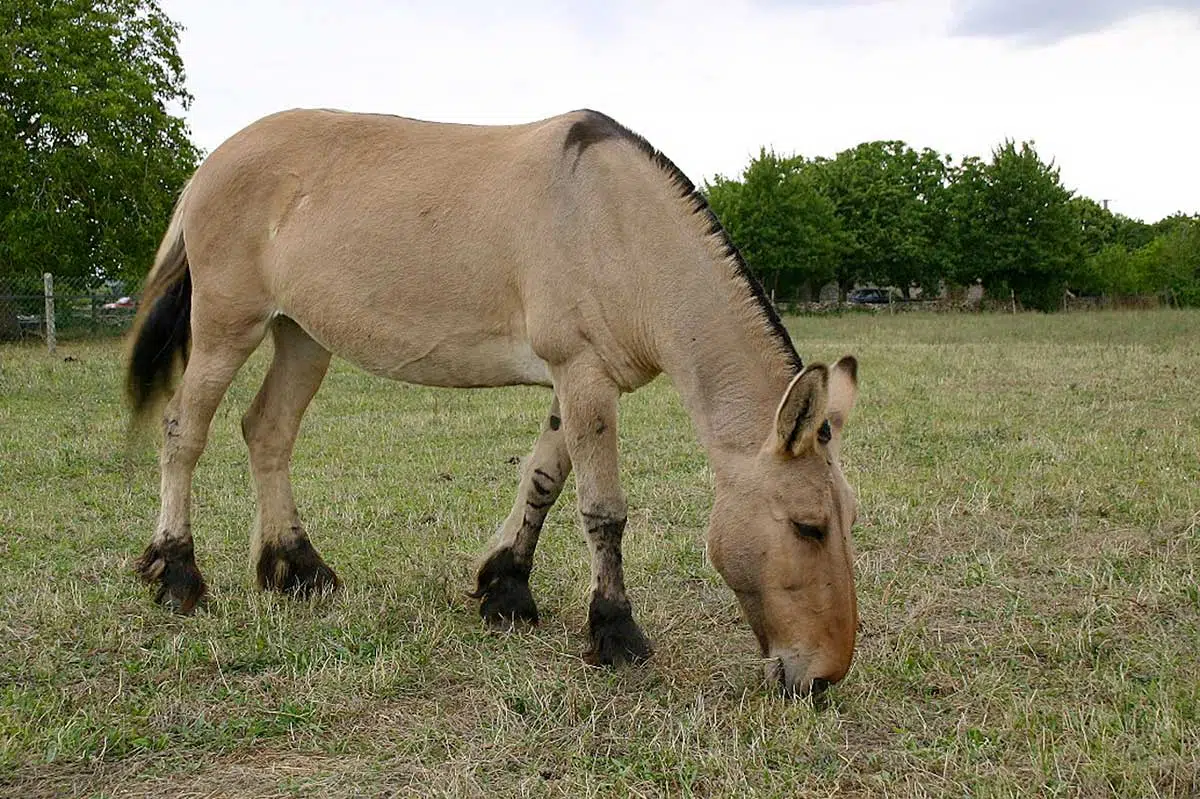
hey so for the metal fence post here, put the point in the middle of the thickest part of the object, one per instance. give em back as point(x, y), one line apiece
point(50, 337)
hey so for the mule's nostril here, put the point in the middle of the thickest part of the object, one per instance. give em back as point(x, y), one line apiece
point(819, 686)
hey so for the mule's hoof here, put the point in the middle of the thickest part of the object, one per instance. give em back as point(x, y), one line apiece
point(508, 602)
point(503, 586)
point(295, 569)
point(615, 637)
point(173, 566)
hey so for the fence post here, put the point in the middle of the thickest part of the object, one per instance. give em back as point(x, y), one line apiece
point(50, 337)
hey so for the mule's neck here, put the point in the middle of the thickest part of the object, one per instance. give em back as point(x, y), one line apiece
point(728, 363)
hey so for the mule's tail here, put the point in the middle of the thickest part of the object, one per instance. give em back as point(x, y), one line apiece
point(162, 329)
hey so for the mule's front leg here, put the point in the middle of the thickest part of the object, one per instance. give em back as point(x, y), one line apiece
point(589, 404)
point(502, 581)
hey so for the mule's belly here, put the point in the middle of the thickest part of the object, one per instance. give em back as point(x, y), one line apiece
point(481, 365)
point(471, 359)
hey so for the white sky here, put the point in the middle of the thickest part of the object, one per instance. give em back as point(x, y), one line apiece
point(1110, 89)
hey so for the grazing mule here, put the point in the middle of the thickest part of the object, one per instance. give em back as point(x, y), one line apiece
point(565, 253)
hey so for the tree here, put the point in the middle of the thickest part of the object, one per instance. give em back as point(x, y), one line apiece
point(1172, 260)
point(966, 207)
point(889, 198)
point(1014, 225)
point(783, 225)
point(1097, 225)
point(91, 155)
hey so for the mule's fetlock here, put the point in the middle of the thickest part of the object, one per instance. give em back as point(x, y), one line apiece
point(172, 564)
point(295, 568)
point(615, 638)
point(502, 585)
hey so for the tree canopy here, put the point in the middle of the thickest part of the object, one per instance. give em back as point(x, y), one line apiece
point(782, 222)
point(92, 147)
point(887, 214)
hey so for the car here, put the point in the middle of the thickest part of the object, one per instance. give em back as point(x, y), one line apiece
point(123, 304)
point(869, 296)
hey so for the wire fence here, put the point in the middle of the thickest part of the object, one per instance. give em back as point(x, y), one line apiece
point(63, 309)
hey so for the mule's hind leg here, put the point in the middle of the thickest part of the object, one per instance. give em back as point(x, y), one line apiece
point(170, 559)
point(589, 405)
point(502, 581)
point(285, 559)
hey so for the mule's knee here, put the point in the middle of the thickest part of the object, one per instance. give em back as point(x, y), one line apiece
point(248, 421)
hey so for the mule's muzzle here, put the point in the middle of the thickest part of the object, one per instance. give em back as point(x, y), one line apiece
point(790, 674)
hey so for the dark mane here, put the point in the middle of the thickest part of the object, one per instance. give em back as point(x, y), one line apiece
point(596, 127)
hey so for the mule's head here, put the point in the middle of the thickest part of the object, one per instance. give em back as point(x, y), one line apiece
point(780, 533)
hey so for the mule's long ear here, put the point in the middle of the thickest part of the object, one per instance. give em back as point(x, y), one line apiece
point(843, 391)
point(802, 410)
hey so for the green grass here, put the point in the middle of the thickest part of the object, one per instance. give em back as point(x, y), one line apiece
point(1028, 573)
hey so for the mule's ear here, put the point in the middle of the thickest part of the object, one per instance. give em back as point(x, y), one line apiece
point(843, 391)
point(802, 411)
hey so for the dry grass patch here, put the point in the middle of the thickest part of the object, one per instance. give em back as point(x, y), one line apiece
point(1029, 563)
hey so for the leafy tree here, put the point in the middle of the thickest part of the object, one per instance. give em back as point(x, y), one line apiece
point(1171, 261)
point(890, 200)
point(1168, 264)
point(890, 214)
point(780, 221)
point(1114, 270)
point(1097, 225)
point(1133, 234)
point(967, 213)
point(91, 155)
point(1015, 227)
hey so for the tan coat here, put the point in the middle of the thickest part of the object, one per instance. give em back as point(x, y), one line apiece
point(566, 253)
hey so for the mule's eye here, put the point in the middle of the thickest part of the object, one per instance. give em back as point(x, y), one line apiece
point(809, 531)
point(825, 433)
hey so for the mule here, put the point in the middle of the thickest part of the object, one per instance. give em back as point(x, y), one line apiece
point(566, 253)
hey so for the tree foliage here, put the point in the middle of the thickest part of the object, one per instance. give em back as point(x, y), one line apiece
point(1024, 233)
point(92, 154)
point(884, 213)
point(781, 221)
point(889, 198)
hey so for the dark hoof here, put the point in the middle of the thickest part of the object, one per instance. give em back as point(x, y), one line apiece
point(503, 587)
point(508, 602)
point(296, 569)
point(615, 637)
point(173, 566)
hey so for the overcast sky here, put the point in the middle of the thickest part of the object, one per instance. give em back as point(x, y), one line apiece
point(1107, 88)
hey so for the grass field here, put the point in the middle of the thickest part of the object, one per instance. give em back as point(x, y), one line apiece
point(1028, 574)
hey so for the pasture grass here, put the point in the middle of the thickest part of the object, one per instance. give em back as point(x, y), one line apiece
point(1028, 570)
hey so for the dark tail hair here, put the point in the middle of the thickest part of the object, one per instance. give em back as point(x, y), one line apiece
point(162, 330)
